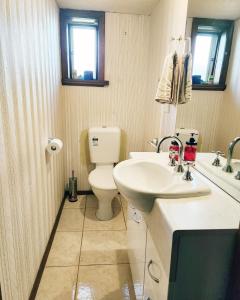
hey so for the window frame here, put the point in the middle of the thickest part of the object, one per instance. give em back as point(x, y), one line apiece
point(228, 27)
point(66, 16)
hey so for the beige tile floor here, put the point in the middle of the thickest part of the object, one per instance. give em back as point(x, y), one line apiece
point(88, 259)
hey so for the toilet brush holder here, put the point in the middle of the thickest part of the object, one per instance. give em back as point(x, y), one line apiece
point(73, 188)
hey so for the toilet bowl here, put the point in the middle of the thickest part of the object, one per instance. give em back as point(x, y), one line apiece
point(104, 146)
point(104, 188)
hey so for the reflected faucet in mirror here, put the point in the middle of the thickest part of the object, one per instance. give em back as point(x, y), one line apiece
point(216, 161)
point(228, 167)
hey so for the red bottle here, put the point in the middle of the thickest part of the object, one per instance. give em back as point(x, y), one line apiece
point(190, 150)
point(174, 147)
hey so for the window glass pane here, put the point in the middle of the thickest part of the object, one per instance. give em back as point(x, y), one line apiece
point(84, 52)
point(202, 56)
point(85, 21)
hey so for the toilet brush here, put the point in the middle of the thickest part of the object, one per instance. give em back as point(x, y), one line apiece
point(72, 188)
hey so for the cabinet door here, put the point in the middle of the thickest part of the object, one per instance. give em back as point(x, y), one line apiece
point(201, 264)
point(136, 233)
point(156, 281)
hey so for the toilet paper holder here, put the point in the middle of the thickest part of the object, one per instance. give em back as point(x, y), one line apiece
point(50, 141)
point(54, 145)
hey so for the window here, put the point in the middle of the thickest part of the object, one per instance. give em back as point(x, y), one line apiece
point(82, 47)
point(212, 41)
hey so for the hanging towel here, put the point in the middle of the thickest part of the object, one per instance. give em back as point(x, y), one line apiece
point(185, 84)
point(167, 91)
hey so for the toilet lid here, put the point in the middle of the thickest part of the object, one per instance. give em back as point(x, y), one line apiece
point(102, 179)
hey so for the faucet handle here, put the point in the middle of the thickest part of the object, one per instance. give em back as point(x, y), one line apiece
point(216, 161)
point(219, 153)
point(187, 175)
point(172, 156)
point(237, 176)
point(154, 142)
point(189, 164)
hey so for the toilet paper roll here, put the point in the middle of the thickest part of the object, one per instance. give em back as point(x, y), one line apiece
point(54, 146)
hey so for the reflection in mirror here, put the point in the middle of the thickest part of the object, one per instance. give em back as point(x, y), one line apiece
point(214, 113)
point(212, 41)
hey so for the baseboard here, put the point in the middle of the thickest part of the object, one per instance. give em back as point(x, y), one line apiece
point(45, 255)
point(89, 192)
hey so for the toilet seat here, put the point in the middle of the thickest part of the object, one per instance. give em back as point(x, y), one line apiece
point(102, 178)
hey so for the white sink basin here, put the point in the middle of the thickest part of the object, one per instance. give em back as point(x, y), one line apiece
point(142, 181)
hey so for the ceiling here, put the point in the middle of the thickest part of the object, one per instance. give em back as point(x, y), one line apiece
point(144, 7)
point(217, 9)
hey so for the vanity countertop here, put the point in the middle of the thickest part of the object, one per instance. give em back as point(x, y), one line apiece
point(216, 211)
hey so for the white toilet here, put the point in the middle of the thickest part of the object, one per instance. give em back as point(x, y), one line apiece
point(104, 146)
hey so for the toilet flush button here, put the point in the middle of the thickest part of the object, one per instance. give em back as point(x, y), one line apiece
point(95, 141)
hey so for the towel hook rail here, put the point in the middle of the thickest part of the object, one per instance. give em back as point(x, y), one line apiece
point(184, 40)
point(179, 39)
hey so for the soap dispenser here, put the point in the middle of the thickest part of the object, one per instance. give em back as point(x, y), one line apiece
point(190, 150)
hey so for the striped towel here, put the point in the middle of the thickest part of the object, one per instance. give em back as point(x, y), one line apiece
point(185, 85)
point(167, 91)
point(175, 85)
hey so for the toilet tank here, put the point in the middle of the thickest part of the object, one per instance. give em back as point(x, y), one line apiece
point(104, 144)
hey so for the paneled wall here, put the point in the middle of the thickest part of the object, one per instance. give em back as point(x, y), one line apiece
point(202, 113)
point(120, 104)
point(134, 56)
point(229, 116)
point(31, 183)
point(167, 20)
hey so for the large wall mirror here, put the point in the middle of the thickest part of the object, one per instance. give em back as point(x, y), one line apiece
point(214, 27)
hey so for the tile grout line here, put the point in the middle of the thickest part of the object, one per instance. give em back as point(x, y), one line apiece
point(90, 230)
point(124, 217)
point(89, 265)
point(107, 264)
point(76, 283)
point(61, 266)
point(77, 266)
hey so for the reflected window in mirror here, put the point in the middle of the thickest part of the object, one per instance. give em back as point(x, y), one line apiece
point(211, 46)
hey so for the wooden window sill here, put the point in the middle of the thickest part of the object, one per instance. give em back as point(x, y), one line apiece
point(97, 83)
point(209, 87)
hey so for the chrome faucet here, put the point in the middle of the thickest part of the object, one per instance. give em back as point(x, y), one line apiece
point(228, 167)
point(179, 167)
